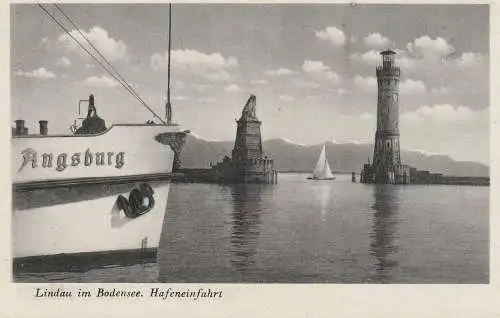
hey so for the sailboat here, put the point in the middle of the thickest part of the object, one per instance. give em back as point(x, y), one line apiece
point(322, 169)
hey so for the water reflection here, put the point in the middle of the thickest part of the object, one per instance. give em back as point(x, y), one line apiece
point(247, 208)
point(322, 194)
point(385, 220)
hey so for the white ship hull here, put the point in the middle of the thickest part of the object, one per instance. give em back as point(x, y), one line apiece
point(92, 225)
point(121, 151)
point(70, 207)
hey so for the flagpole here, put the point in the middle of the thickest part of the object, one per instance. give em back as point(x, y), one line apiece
point(168, 113)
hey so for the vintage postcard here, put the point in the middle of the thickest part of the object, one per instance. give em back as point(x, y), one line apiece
point(221, 155)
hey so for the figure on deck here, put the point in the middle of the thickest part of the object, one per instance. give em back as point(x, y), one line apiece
point(91, 106)
point(93, 124)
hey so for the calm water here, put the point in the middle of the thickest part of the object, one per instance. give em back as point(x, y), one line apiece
point(313, 232)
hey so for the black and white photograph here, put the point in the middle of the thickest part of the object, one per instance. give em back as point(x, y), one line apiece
point(250, 143)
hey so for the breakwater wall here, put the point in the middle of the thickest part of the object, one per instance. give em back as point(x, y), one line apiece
point(194, 176)
point(215, 176)
point(473, 181)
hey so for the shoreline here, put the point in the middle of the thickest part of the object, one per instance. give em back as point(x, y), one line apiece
point(204, 175)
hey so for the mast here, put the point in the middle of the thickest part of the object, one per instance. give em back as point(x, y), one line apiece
point(168, 106)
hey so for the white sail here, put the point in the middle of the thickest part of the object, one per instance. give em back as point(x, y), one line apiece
point(322, 168)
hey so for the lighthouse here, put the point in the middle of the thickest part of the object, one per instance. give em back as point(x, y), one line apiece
point(386, 154)
point(386, 167)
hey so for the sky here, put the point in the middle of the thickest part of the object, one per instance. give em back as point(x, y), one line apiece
point(312, 68)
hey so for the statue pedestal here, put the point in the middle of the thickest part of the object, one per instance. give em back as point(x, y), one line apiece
point(176, 141)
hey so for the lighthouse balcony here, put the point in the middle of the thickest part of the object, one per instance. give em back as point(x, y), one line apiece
point(393, 71)
point(387, 133)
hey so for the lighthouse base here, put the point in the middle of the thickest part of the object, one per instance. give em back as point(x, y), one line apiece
point(390, 174)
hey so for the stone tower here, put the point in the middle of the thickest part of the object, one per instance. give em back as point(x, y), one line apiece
point(247, 164)
point(248, 143)
point(386, 155)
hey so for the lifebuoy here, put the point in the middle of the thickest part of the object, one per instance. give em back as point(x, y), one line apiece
point(140, 201)
point(122, 203)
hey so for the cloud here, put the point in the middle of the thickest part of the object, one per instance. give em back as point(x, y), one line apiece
point(286, 98)
point(434, 61)
point(179, 97)
point(232, 88)
point(314, 67)
point(200, 59)
point(40, 73)
point(410, 86)
point(406, 63)
point(333, 35)
point(341, 92)
point(457, 130)
point(371, 58)
point(102, 81)
point(469, 59)
point(63, 61)
point(319, 71)
point(258, 82)
point(46, 43)
point(305, 83)
point(444, 113)
point(423, 52)
point(377, 41)
point(440, 91)
point(279, 72)
point(368, 84)
point(112, 49)
point(212, 67)
point(427, 48)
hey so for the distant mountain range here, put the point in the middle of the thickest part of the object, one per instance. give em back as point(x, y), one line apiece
point(349, 157)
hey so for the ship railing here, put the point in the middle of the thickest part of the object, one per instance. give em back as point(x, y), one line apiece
point(77, 123)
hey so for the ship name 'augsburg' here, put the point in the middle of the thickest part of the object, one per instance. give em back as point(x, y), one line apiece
point(77, 159)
